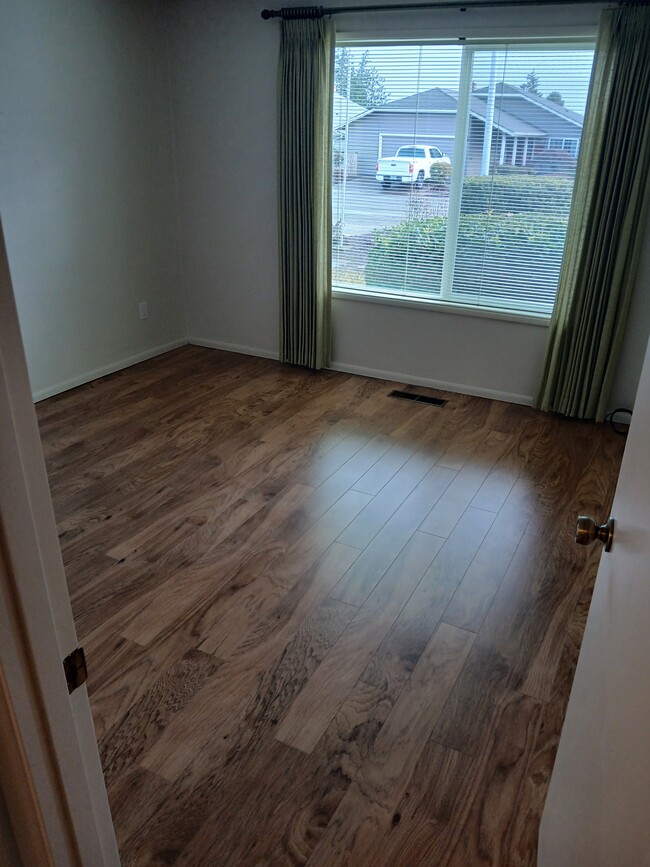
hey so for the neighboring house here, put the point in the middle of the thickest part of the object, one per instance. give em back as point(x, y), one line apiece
point(344, 112)
point(524, 125)
point(557, 127)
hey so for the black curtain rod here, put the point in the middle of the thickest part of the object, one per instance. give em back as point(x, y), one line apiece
point(293, 12)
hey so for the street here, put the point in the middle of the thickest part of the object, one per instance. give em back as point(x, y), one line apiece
point(367, 206)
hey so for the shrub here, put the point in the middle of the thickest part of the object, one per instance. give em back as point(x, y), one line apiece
point(553, 162)
point(504, 194)
point(525, 251)
point(440, 174)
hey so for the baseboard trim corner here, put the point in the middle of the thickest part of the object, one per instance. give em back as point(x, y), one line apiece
point(234, 347)
point(107, 369)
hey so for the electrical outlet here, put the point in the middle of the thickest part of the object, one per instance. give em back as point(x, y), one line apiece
point(142, 309)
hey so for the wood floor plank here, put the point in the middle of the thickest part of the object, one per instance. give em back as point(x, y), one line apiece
point(401, 649)
point(122, 746)
point(178, 524)
point(212, 775)
point(426, 808)
point(524, 829)
point(216, 710)
point(135, 798)
point(384, 505)
point(326, 691)
point(483, 578)
point(274, 628)
point(368, 808)
point(374, 479)
point(250, 597)
point(446, 513)
point(479, 827)
point(465, 431)
point(369, 567)
point(258, 553)
point(121, 672)
point(428, 493)
point(500, 480)
point(327, 774)
point(189, 587)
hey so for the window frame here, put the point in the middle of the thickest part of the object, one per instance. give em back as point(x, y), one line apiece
point(445, 301)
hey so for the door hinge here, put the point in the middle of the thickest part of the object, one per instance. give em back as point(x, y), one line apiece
point(75, 669)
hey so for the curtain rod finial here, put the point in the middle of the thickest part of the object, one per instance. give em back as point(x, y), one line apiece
point(266, 14)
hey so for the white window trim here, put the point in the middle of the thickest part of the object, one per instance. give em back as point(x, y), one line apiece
point(438, 305)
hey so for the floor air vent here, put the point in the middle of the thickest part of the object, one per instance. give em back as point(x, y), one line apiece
point(420, 398)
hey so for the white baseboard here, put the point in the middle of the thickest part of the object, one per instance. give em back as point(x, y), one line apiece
point(83, 378)
point(493, 394)
point(235, 347)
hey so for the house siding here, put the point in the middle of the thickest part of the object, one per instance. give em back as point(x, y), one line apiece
point(380, 134)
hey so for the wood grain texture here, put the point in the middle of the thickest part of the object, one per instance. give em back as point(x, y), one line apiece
point(326, 691)
point(322, 626)
point(365, 813)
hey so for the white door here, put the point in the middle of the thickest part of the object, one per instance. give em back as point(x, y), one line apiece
point(597, 812)
point(50, 773)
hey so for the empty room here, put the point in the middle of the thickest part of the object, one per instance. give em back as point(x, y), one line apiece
point(324, 453)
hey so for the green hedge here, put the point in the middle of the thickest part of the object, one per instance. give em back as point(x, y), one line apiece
point(504, 194)
point(524, 250)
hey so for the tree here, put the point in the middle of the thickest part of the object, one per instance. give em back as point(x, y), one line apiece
point(360, 82)
point(556, 97)
point(531, 85)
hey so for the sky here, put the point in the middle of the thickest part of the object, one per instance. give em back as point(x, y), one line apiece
point(411, 69)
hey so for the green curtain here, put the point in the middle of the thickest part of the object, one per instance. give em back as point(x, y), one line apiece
point(305, 174)
point(610, 203)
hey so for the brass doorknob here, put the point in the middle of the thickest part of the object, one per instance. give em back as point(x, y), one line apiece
point(587, 531)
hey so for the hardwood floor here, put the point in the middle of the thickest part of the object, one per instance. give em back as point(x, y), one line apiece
point(323, 626)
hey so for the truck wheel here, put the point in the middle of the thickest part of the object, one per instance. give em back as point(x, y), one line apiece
point(419, 182)
point(385, 185)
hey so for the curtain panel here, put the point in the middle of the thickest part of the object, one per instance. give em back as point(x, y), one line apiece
point(305, 172)
point(604, 236)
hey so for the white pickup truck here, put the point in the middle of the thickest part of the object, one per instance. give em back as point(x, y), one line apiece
point(410, 165)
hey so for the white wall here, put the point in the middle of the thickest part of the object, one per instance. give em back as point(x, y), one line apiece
point(87, 184)
point(494, 359)
point(224, 72)
point(224, 81)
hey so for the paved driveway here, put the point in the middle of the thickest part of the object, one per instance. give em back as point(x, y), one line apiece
point(367, 206)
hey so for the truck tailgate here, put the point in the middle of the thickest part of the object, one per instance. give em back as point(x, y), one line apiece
point(394, 166)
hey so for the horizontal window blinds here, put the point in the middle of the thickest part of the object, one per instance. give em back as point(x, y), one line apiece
point(453, 169)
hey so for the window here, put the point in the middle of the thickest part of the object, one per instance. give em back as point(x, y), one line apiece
point(564, 144)
point(458, 170)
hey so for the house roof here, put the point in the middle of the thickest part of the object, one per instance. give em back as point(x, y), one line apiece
point(505, 121)
point(512, 90)
point(345, 110)
point(442, 99)
point(436, 99)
